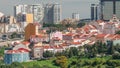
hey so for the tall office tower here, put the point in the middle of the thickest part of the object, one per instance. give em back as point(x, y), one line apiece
point(48, 13)
point(76, 16)
point(109, 8)
point(52, 13)
point(56, 13)
point(38, 13)
point(117, 8)
point(95, 12)
point(22, 11)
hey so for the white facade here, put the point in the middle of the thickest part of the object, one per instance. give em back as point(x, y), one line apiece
point(57, 13)
point(107, 10)
point(20, 9)
point(95, 11)
point(76, 16)
point(118, 9)
point(52, 13)
point(9, 28)
point(37, 10)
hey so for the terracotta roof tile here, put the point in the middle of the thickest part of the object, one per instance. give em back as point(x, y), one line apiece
point(100, 35)
point(23, 49)
point(25, 42)
point(76, 43)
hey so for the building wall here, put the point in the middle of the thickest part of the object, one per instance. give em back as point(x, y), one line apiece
point(37, 10)
point(38, 52)
point(16, 57)
point(48, 13)
point(8, 58)
point(76, 16)
point(30, 29)
point(38, 13)
point(95, 11)
point(29, 18)
point(52, 13)
point(115, 42)
point(118, 9)
point(57, 13)
point(56, 34)
point(108, 8)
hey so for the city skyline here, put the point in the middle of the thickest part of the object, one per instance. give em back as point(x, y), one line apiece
point(68, 6)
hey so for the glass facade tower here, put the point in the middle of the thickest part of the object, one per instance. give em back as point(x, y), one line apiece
point(109, 8)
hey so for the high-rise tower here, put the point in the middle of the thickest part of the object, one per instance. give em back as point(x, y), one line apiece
point(37, 10)
point(52, 13)
point(76, 16)
point(95, 11)
point(109, 8)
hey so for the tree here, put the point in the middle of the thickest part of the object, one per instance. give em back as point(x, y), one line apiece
point(80, 25)
point(116, 56)
point(73, 51)
point(73, 64)
point(5, 66)
point(14, 35)
point(58, 54)
point(110, 47)
point(62, 61)
point(89, 51)
point(47, 54)
point(117, 48)
point(117, 32)
point(101, 47)
point(2, 51)
point(113, 63)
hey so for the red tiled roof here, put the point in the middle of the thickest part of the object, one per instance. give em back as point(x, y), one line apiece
point(118, 26)
point(86, 28)
point(17, 51)
point(116, 37)
point(34, 36)
point(56, 38)
point(23, 49)
point(109, 36)
point(76, 43)
point(100, 35)
point(37, 46)
point(94, 26)
point(93, 33)
point(25, 42)
point(12, 51)
point(91, 43)
point(64, 44)
point(84, 35)
point(69, 34)
point(46, 47)
point(58, 47)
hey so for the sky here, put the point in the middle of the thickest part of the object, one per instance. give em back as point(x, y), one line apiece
point(68, 6)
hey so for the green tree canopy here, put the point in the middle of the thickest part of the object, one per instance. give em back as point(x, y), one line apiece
point(47, 54)
point(62, 61)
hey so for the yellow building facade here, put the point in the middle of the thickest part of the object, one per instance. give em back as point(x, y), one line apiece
point(29, 18)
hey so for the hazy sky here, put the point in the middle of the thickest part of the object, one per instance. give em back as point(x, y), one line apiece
point(68, 6)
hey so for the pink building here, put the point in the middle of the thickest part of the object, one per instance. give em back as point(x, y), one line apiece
point(56, 34)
